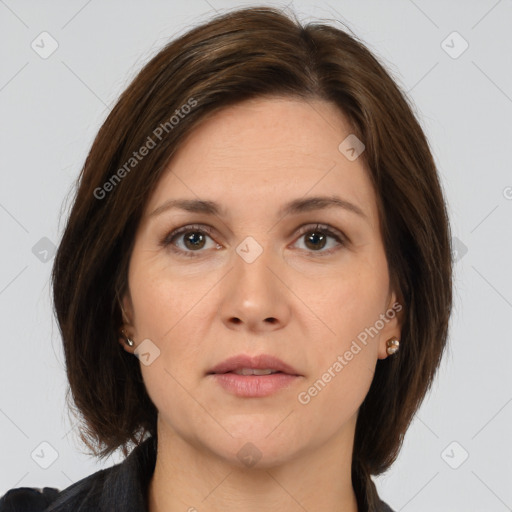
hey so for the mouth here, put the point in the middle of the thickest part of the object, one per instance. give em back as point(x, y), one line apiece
point(254, 377)
point(262, 364)
point(254, 371)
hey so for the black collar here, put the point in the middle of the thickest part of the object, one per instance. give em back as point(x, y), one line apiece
point(126, 488)
point(120, 488)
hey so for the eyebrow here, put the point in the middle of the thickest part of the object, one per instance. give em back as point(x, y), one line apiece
point(293, 207)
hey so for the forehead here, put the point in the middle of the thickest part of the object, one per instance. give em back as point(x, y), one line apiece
point(270, 151)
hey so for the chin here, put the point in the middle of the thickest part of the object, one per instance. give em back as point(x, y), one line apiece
point(257, 441)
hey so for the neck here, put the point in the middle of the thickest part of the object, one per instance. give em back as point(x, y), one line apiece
point(191, 478)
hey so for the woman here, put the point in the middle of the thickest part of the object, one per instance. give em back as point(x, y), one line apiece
point(254, 284)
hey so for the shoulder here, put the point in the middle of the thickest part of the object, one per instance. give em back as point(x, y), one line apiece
point(27, 498)
point(121, 487)
point(32, 499)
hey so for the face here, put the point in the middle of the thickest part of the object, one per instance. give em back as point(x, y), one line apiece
point(307, 285)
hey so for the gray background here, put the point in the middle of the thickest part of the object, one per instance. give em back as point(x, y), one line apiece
point(51, 109)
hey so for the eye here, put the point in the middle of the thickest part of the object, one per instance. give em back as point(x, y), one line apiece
point(316, 237)
point(193, 238)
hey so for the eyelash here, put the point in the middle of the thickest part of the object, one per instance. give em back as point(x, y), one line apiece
point(207, 230)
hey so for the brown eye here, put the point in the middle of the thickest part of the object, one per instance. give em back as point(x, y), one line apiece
point(189, 240)
point(316, 238)
point(194, 240)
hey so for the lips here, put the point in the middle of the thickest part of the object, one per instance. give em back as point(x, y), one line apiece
point(260, 362)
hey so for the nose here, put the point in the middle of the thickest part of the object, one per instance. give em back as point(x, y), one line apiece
point(254, 295)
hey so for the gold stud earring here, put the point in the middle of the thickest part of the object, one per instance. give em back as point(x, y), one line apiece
point(393, 344)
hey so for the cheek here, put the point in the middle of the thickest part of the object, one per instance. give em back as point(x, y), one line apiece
point(346, 355)
point(168, 315)
point(336, 394)
point(168, 392)
point(350, 304)
point(165, 302)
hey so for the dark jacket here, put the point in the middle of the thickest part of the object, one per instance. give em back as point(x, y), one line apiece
point(120, 488)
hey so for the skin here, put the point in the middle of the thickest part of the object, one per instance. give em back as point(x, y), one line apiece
point(251, 159)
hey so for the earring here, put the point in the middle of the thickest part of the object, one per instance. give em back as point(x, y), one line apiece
point(393, 345)
point(128, 341)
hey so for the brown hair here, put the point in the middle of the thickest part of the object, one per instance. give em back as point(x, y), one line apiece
point(243, 54)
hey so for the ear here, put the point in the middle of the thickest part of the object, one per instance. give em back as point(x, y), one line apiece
point(127, 329)
point(393, 321)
